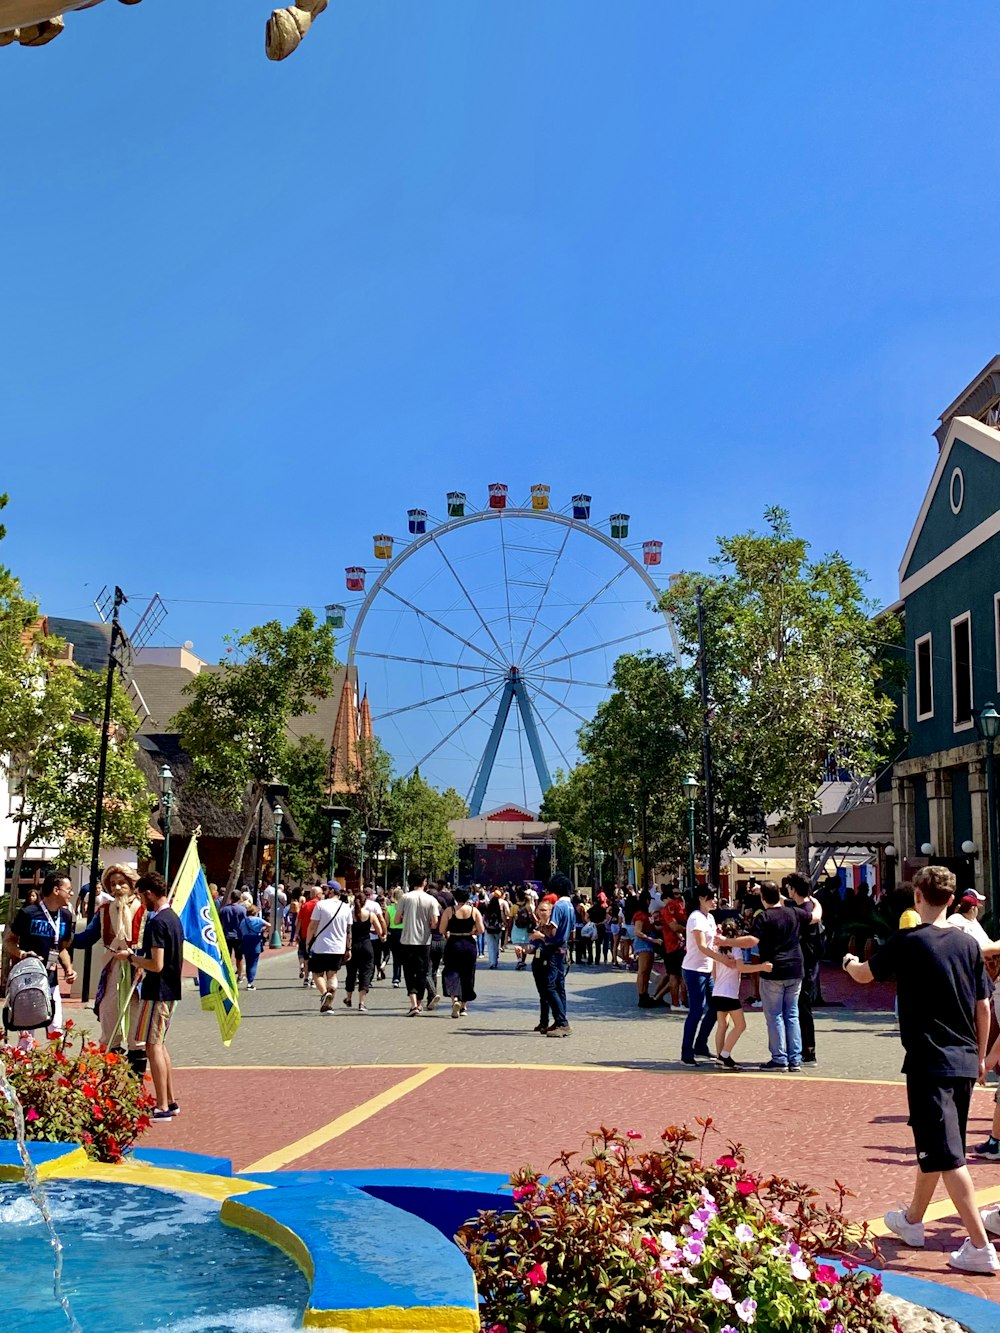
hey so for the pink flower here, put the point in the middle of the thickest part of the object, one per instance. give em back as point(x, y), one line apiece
point(839, 1327)
point(730, 1163)
point(825, 1303)
point(728, 1328)
point(522, 1192)
point(747, 1310)
point(824, 1273)
point(538, 1275)
point(632, 1134)
point(746, 1187)
point(693, 1251)
point(721, 1291)
point(497, 1328)
point(800, 1271)
point(638, 1187)
point(743, 1233)
point(31, 1115)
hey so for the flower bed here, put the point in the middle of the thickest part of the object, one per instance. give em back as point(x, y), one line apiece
point(76, 1094)
point(630, 1237)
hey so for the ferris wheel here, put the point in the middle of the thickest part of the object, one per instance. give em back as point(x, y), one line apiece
point(488, 637)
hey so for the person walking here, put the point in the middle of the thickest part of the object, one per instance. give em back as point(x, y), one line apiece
point(696, 969)
point(310, 898)
point(160, 963)
point(329, 944)
point(521, 927)
point(361, 960)
point(116, 1001)
point(418, 914)
point(558, 937)
point(459, 926)
point(232, 917)
point(444, 899)
point(252, 941)
point(45, 930)
point(643, 947)
point(944, 1024)
point(811, 943)
point(495, 923)
point(395, 924)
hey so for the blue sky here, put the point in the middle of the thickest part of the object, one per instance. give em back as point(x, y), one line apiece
point(691, 259)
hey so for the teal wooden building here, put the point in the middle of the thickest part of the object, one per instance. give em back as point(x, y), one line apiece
point(949, 587)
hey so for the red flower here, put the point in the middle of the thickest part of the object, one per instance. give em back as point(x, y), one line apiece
point(68, 1024)
point(648, 1243)
point(730, 1163)
point(87, 1138)
point(746, 1187)
point(824, 1273)
point(632, 1134)
point(111, 1058)
point(639, 1187)
point(90, 1091)
point(538, 1275)
point(522, 1192)
point(31, 1115)
point(876, 1284)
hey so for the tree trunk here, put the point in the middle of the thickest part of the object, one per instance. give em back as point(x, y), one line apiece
point(236, 865)
point(802, 848)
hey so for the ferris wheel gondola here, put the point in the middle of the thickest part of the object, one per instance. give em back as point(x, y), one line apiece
point(477, 623)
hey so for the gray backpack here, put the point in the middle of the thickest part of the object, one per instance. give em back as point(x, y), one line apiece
point(29, 997)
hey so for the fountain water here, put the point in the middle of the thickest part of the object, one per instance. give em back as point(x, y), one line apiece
point(37, 1192)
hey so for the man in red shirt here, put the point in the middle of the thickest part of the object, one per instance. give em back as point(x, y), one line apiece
point(310, 897)
point(672, 916)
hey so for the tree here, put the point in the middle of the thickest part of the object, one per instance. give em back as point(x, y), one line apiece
point(306, 766)
point(419, 821)
point(795, 665)
point(51, 714)
point(235, 727)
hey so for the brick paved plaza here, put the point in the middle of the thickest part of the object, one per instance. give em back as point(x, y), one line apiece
point(298, 1089)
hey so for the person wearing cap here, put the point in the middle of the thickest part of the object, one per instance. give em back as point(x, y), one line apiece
point(966, 917)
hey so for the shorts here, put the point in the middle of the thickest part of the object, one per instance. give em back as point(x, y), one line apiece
point(154, 1022)
point(326, 962)
point(235, 948)
point(939, 1113)
point(642, 946)
point(673, 961)
point(303, 951)
point(722, 1004)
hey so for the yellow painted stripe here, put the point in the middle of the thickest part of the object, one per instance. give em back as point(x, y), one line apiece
point(349, 1120)
point(155, 1177)
point(71, 1159)
point(394, 1319)
point(943, 1208)
point(247, 1218)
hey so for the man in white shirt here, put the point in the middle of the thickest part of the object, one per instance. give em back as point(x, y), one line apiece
point(328, 942)
point(419, 913)
point(966, 918)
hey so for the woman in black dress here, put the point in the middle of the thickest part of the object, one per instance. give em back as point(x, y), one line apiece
point(460, 925)
point(361, 964)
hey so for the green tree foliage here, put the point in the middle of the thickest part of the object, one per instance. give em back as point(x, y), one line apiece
point(51, 714)
point(305, 772)
point(419, 816)
point(235, 727)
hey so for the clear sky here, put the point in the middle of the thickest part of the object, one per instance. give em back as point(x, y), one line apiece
point(691, 259)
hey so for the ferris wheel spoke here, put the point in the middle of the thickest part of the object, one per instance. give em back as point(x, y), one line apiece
point(562, 752)
point(458, 727)
point(506, 588)
point(429, 661)
point(435, 699)
point(558, 703)
point(465, 593)
point(596, 647)
point(545, 593)
point(426, 616)
point(568, 680)
point(577, 613)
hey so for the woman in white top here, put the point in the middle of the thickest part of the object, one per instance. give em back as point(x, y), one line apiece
point(728, 968)
point(697, 972)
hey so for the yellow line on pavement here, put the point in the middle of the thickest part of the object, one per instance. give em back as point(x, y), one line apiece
point(349, 1120)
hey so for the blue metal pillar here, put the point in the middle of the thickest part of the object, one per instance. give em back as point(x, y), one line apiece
point(490, 753)
point(531, 731)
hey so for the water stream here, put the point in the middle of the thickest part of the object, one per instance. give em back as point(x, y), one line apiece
point(37, 1192)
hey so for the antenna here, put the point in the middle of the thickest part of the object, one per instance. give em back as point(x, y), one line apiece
point(127, 644)
point(149, 622)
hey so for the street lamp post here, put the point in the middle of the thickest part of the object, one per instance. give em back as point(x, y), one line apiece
point(167, 792)
point(335, 827)
point(600, 869)
point(279, 814)
point(689, 787)
point(362, 839)
point(988, 725)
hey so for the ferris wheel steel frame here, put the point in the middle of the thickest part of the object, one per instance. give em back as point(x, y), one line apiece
point(508, 678)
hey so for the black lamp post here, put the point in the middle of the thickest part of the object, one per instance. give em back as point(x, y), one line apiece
point(167, 793)
point(279, 814)
point(689, 786)
point(988, 726)
point(362, 840)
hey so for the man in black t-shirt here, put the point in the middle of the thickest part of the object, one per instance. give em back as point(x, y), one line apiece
point(161, 960)
point(811, 943)
point(944, 1024)
point(45, 929)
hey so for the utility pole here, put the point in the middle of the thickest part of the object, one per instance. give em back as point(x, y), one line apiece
point(102, 769)
point(706, 749)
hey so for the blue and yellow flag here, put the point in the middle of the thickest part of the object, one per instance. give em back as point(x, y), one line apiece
point(204, 943)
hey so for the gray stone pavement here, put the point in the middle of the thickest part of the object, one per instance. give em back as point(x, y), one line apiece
point(282, 1026)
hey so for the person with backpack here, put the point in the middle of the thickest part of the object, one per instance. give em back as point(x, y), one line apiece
point(253, 929)
point(45, 930)
point(495, 921)
point(812, 941)
point(523, 925)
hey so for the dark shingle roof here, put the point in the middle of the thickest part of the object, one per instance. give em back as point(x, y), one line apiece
point(90, 639)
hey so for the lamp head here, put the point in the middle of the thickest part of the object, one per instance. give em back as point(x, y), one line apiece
point(926, 849)
point(689, 786)
point(166, 780)
point(279, 815)
point(988, 722)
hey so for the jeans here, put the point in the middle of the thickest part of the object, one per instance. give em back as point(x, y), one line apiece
point(700, 1019)
point(252, 959)
point(556, 986)
point(781, 1013)
point(493, 946)
point(416, 970)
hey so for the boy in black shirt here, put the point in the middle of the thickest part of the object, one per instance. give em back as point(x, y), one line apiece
point(160, 961)
point(944, 1024)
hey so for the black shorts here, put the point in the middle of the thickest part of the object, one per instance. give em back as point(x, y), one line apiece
point(939, 1113)
point(672, 961)
point(326, 962)
point(303, 951)
point(235, 948)
point(722, 1004)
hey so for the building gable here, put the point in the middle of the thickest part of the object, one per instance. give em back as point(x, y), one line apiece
point(961, 509)
point(511, 814)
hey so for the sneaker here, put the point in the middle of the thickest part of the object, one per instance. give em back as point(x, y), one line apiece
point(396, 985)
point(251, 985)
point(455, 1007)
point(562, 1031)
point(705, 1054)
point(414, 1012)
point(362, 1009)
point(991, 1220)
point(991, 1148)
point(685, 1060)
point(462, 1012)
point(795, 1069)
point(174, 1108)
point(645, 1002)
point(163, 1115)
point(348, 1000)
point(327, 1003)
point(910, 1233)
point(773, 1067)
point(305, 982)
point(972, 1260)
point(541, 1027)
point(808, 1057)
point(728, 1062)
point(433, 1002)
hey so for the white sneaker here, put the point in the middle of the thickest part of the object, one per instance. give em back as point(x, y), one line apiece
point(972, 1260)
point(910, 1233)
point(991, 1220)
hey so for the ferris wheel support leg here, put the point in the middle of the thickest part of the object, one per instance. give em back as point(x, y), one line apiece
point(531, 731)
point(490, 753)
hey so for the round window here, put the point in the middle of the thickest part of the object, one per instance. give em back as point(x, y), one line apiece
point(957, 490)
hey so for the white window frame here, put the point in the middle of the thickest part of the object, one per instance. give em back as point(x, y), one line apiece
point(996, 634)
point(966, 616)
point(928, 639)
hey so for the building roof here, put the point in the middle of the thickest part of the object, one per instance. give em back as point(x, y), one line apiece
point(482, 829)
point(979, 399)
point(345, 735)
point(91, 640)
